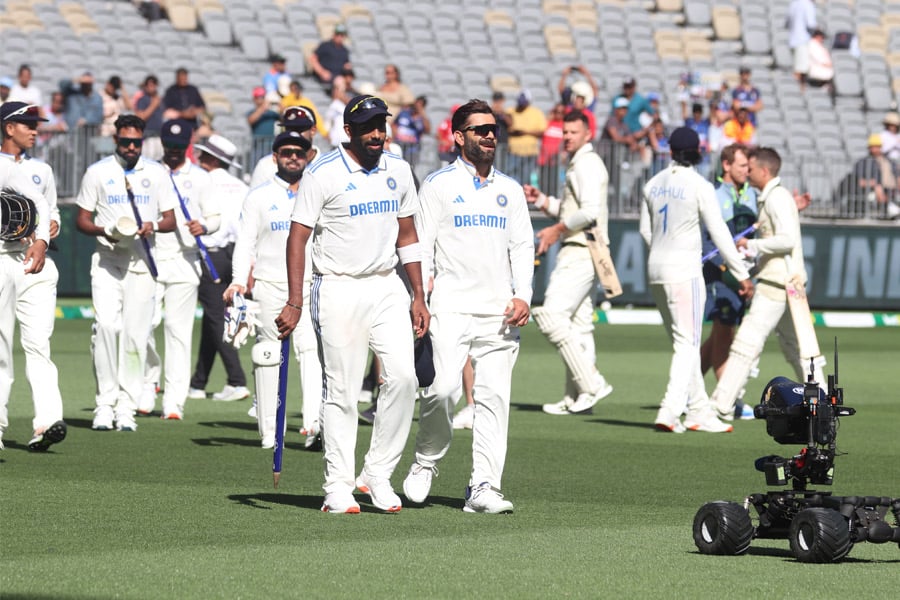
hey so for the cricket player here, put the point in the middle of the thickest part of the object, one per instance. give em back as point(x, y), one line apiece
point(357, 202)
point(476, 231)
point(28, 277)
point(261, 243)
point(179, 262)
point(123, 288)
point(568, 301)
point(779, 253)
point(293, 118)
point(675, 201)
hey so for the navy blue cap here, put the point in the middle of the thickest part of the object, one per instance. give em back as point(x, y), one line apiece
point(176, 132)
point(684, 138)
point(20, 112)
point(363, 108)
point(291, 138)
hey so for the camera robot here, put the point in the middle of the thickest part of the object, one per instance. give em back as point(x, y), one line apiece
point(821, 528)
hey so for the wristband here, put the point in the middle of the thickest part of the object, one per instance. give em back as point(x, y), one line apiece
point(541, 202)
point(155, 225)
point(410, 253)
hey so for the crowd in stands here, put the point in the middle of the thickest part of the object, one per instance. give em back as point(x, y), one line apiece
point(633, 138)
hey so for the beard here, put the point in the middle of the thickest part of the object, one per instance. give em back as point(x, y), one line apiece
point(290, 175)
point(479, 151)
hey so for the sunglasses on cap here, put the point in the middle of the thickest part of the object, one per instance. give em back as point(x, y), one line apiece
point(291, 152)
point(127, 141)
point(483, 130)
point(368, 104)
point(30, 110)
point(174, 146)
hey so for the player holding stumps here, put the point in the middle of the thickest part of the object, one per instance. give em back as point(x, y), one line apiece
point(357, 202)
point(675, 201)
point(476, 231)
point(565, 316)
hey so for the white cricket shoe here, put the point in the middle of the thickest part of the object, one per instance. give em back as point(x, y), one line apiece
point(125, 422)
point(559, 408)
point(465, 418)
point(313, 435)
point(418, 482)
point(147, 401)
point(231, 393)
point(380, 492)
point(708, 422)
point(252, 411)
point(585, 402)
point(172, 413)
point(51, 435)
point(485, 499)
point(196, 394)
point(103, 419)
point(340, 503)
point(268, 441)
point(666, 422)
point(746, 413)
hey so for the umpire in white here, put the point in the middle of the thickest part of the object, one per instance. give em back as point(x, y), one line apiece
point(357, 202)
point(475, 228)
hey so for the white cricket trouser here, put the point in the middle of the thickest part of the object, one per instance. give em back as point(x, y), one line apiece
point(351, 315)
point(494, 347)
point(123, 307)
point(767, 312)
point(271, 297)
point(681, 307)
point(30, 299)
point(176, 294)
point(568, 302)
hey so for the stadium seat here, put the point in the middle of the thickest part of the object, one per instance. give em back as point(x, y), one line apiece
point(698, 13)
point(847, 84)
point(726, 23)
point(669, 5)
point(183, 17)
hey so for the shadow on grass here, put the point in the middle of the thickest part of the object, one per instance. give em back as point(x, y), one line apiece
point(526, 407)
point(261, 500)
point(80, 423)
point(242, 425)
point(621, 423)
point(447, 501)
point(786, 555)
point(216, 442)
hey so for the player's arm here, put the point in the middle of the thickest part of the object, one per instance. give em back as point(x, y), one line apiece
point(296, 268)
point(521, 262)
point(711, 215)
point(244, 251)
point(785, 223)
point(427, 220)
point(645, 227)
point(592, 183)
point(410, 253)
point(211, 217)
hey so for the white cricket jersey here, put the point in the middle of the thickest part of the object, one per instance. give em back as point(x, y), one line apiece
point(479, 238)
point(354, 212)
point(228, 192)
point(263, 234)
point(195, 188)
point(103, 192)
point(15, 178)
point(585, 199)
point(41, 176)
point(675, 201)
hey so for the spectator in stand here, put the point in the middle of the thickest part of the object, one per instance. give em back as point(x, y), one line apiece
point(583, 101)
point(821, 69)
point(739, 129)
point(637, 105)
point(658, 111)
point(295, 97)
point(275, 73)
point(265, 113)
point(877, 178)
point(23, 91)
point(182, 100)
point(616, 130)
point(552, 137)
point(700, 125)
point(498, 105)
point(6, 85)
point(148, 106)
point(394, 92)
point(331, 57)
point(409, 126)
point(84, 106)
point(721, 114)
point(659, 143)
point(335, 112)
point(115, 103)
point(801, 22)
point(527, 125)
point(746, 95)
point(447, 151)
point(55, 113)
point(890, 136)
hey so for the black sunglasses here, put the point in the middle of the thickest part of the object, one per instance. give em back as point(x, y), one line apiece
point(483, 130)
point(291, 152)
point(368, 103)
point(126, 141)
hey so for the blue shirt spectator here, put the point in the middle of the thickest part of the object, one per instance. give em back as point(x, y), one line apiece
point(84, 106)
point(637, 105)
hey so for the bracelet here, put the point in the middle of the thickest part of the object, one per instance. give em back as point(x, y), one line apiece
point(294, 306)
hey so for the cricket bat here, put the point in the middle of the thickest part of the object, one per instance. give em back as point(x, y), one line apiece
point(603, 265)
point(800, 315)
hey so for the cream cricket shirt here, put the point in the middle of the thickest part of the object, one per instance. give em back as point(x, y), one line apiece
point(585, 199)
point(479, 237)
point(354, 212)
point(103, 191)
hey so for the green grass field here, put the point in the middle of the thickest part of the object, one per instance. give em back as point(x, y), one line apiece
point(604, 504)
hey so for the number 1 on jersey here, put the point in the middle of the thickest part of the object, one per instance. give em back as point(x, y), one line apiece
point(664, 211)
